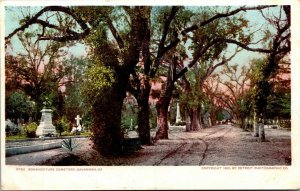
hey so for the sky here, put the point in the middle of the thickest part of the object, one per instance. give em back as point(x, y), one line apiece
point(13, 15)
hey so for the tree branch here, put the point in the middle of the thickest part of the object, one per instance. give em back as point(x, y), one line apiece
point(115, 32)
point(71, 35)
point(217, 16)
point(161, 46)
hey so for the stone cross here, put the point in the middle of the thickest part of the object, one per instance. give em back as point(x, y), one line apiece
point(78, 118)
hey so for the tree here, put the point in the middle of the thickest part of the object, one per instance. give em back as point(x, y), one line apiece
point(211, 88)
point(208, 42)
point(18, 105)
point(234, 91)
point(74, 103)
point(280, 47)
point(38, 71)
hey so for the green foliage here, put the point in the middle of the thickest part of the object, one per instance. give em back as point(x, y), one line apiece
point(220, 115)
point(97, 80)
point(15, 137)
point(86, 133)
point(18, 105)
point(62, 125)
point(30, 129)
point(129, 116)
point(74, 99)
point(153, 117)
point(66, 133)
point(279, 105)
point(266, 98)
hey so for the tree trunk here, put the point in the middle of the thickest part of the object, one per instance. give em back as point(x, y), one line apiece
point(242, 122)
point(255, 126)
point(163, 103)
point(262, 137)
point(213, 117)
point(195, 119)
point(143, 114)
point(187, 121)
point(106, 126)
point(162, 118)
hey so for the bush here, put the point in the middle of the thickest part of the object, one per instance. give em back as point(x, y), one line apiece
point(30, 130)
point(152, 117)
point(62, 125)
point(285, 124)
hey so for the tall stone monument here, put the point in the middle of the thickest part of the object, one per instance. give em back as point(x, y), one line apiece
point(178, 117)
point(46, 126)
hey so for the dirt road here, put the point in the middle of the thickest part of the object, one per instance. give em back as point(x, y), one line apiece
point(219, 145)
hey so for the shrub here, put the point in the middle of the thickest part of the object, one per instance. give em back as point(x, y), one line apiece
point(30, 129)
point(152, 117)
point(285, 124)
point(62, 125)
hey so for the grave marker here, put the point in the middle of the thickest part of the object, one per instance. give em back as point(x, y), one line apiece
point(46, 127)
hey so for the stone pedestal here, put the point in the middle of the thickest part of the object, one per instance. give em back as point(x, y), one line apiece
point(46, 126)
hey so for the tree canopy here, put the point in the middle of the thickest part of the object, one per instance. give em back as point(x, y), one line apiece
point(129, 45)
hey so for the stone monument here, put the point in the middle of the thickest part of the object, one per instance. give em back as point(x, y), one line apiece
point(46, 127)
point(178, 117)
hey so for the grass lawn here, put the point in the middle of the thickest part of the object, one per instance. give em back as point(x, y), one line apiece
point(87, 133)
point(16, 137)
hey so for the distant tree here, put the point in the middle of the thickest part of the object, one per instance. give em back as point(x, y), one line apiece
point(208, 43)
point(37, 70)
point(234, 91)
point(74, 102)
point(18, 106)
point(211, 88)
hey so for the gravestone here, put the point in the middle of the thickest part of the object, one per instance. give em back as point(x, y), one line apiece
point(78, 119)
point(78, 127)
point(46, 127)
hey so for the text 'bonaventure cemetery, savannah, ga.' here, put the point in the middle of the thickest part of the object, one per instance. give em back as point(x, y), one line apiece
point(148, 85)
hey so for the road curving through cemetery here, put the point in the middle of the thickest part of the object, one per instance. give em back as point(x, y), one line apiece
point(193, 147)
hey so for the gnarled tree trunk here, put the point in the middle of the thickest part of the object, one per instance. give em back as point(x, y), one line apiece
point(163, 103)
point(106, 126)
point(143, 114)
point(162, 117)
